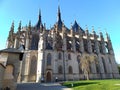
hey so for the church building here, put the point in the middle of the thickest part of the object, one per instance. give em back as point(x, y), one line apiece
point(56, 53)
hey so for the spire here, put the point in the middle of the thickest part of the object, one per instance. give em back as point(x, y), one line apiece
point(86, 31)
point(107, 37)
point(59, 14)
point(59, 21)
point(39, 20)
point(75, 26)
point(12, 27)
point(93, 31)
point(19, 27)
point(101, 36)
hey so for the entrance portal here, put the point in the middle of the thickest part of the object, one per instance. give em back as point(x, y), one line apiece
point(48, 77)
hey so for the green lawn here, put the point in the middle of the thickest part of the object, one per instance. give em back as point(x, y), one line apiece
point(112, 84)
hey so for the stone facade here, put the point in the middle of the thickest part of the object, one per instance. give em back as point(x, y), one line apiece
point(57, 52)
point(2, 69)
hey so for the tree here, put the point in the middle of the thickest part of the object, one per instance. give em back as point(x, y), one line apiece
point(85, 63)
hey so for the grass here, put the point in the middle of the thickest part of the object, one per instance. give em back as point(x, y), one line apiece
point(112, 84)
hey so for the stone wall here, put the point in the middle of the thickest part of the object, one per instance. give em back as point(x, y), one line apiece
point(11, 71)
point(2, 69)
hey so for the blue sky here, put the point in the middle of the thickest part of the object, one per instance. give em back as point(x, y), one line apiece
point(98, 13)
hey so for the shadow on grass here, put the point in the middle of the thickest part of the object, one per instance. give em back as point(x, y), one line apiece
point(76, 84)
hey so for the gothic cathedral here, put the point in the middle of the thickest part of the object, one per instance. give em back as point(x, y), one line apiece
point(57, 52)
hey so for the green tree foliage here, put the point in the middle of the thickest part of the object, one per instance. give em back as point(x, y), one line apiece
point(85, 63)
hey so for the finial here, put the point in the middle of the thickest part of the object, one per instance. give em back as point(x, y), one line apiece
point(71, 25)
point(106, 31)
point(19, 28)
point(107, 35)
point(63, 24)
point(29, 22)
point(86, 27)
point(29, 25)
point(13, 24)
point(44, 26)
point(99, 31)
point(87, 32)
point(93, 31)
point(20, 23)
point(12, 27)
point(101, 34)
point(92, 28)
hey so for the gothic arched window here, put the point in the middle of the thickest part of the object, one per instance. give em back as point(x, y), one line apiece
point(78, 60)
point(90, 68)
point(49, 58)
point(109, 60)
point(97, 69)
point(60, 70)
point(33, 66)
point(59, 56)
point(69, 57)
point(34, 42)
point(103, 61)
point(70, 70)
point(77, 45)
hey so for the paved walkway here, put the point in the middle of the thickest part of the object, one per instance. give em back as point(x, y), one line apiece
point(38, 86)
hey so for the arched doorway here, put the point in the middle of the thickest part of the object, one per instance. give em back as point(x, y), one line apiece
point(48, 76)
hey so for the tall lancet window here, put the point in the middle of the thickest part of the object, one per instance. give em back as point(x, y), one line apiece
point(49, 59)
point(59, 56)
point(34, 42)
point(33, 65)
point(77, 45)
point(79, 64)
point(69, 57)
point(70, 70)
point(103, 61)
point(60, 70)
